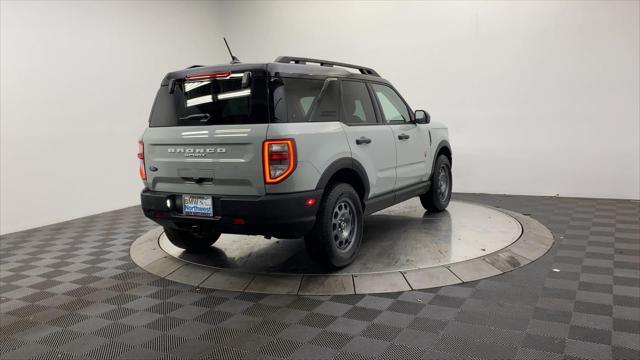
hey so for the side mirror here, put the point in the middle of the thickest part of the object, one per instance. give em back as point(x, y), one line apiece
point(422, 117)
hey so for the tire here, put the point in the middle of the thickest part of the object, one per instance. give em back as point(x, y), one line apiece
point(336, 236)
point(190, 241)
point(439, 194)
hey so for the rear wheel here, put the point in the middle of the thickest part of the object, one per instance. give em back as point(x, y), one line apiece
point(438, 196)
point(190, 241)
point(337, 234)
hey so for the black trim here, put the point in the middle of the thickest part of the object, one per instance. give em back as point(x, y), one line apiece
point(289, 73)
point(280, 215)
point(410, 191)
point(395, 197)
point(302, 60)
point(441, 144)
point(306, 76)
point(376, 106)
point(345, 163)
point(379, 202)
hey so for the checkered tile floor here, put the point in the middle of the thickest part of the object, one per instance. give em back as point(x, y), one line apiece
point(70, 291)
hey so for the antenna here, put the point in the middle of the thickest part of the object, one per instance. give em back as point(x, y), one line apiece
point(234, 60)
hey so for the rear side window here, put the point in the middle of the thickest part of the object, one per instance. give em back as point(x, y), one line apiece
point(356, 104)
point(235, 99)
point(305, 100)
point(394, 109)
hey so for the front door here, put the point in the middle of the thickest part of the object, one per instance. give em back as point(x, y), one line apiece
point(412, 140)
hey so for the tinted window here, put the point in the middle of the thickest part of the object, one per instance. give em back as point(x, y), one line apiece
point(231, 100)
point(356, 104)
point(393, 108)
point(305, 100)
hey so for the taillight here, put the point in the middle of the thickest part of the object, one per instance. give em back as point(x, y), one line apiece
point(278, 159)
point(143, 172)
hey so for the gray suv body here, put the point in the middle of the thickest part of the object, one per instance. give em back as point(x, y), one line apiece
point(294, 148)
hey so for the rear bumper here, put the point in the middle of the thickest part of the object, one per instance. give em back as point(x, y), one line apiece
point(279, 215)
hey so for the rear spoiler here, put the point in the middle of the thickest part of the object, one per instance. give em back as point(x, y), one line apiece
point(179, 75)
point(300, 60)
point(196, 72)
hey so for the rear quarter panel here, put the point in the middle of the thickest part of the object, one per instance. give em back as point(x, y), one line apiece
point(318, 145)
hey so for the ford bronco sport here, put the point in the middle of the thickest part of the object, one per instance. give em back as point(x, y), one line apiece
point(294, 148)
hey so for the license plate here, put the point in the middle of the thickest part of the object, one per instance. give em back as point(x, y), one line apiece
point(197, 205)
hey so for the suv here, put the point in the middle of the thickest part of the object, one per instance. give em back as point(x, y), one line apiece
point(294, 148)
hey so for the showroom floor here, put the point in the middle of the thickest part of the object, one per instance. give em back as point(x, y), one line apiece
point(70, 291)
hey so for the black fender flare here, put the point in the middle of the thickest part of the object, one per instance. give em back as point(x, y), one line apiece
point(345, 163)
point(442, 144)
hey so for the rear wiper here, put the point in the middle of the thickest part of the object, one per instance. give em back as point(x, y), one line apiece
point(195, 117)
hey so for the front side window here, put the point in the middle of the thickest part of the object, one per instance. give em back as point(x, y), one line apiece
point(394, 109)
point(305, 100)
point(357, 107)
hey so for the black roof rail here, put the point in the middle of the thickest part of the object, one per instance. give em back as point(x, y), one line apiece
point(301, 60)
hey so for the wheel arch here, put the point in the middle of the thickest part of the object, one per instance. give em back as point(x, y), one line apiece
point(347, 170)
point(444, 148)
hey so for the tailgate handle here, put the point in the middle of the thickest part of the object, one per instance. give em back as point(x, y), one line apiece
point(197, 180)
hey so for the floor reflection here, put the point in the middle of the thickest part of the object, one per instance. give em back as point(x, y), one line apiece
point(398, 238)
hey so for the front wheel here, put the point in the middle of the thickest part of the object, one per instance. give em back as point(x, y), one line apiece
point(190, 241)
point(337, 234)
point(438, 196)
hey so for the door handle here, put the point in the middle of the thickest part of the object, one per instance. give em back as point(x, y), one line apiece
point(363, 140)
point(403, 136)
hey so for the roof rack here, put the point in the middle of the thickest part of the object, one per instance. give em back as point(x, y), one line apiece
point(301, 60)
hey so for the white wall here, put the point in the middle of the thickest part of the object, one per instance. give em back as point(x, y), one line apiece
point(541, 98)
point(78, 80)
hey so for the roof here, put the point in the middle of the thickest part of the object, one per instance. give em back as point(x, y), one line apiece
point(283, 66)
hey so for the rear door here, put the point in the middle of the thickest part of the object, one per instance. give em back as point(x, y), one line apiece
point(371, 142)
point(412, 140)
point(205, 136)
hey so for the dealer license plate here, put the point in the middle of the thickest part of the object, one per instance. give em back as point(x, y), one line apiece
point(197, 205)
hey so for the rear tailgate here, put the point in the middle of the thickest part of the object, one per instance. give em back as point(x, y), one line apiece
point(219, 160)
point(205, 133)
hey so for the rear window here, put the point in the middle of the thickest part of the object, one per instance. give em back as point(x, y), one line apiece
point(305, 100)
point(234, 99)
